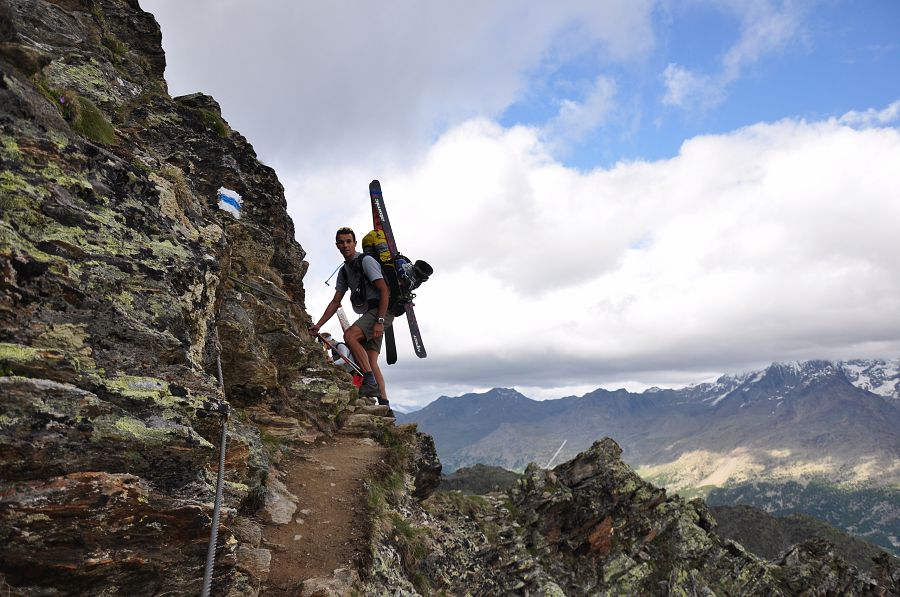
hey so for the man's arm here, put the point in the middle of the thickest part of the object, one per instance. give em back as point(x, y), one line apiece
point(330, 310)
point(383, 300)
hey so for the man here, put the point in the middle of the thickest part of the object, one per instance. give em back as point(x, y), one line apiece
point(365, 336)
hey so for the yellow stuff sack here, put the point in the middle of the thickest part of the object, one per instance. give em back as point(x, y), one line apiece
point(375, 242)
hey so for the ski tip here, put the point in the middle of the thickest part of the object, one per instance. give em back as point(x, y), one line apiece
point(375, 184)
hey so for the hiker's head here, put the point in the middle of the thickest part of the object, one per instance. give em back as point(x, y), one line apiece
point(344, 230)
point(345, 240)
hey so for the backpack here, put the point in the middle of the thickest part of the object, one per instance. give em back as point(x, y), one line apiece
point(400, 274)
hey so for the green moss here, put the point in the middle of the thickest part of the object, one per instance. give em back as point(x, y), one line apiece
point(84, 117)
point(47, 91)
point(59, 140)
point(16, 194)
point(150, 389)
point(10, 238)
point(117, 48)
point(137, 387)
point(166, 248)
point(412, 544)
point(64, 336)
point(138, 430)
point(17, 353)
point(157, 118)
point(9, 147)
point(84, 78)
point(214, 122)
point(237, 487)
point(93, 124)
point(124, 298)
point(53, 172)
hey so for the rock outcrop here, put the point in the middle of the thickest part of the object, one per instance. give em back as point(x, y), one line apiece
point(591, 526)
point(122, 285)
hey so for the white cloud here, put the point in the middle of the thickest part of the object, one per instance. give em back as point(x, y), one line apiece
point(319, 82)
point(576, 119)
point(765, 28)
point(687, 89)
point(873, 117)
point(776, 241)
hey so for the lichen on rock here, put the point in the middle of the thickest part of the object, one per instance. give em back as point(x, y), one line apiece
point(117, 303)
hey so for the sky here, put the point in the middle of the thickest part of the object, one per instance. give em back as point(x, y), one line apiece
point(612, 193)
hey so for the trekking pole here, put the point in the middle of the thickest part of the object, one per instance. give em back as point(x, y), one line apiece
point(333, 346)
point(332, 274)
point(342, 317)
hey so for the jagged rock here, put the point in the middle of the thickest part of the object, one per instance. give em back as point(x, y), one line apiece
point(426, 469)
point(341, 584)
point(592, 527)
point(88, 532)
point(812, 568)
point(381, 410)
point(246, 531)
point(280, 503)
point(363, 424)
point(254, 561)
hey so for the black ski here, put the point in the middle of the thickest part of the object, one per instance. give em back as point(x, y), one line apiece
point(381, 221)
point(390, 345)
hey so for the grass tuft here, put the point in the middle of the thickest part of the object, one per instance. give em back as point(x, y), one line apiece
point(214, 122)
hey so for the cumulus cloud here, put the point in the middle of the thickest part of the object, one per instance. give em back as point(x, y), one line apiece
point(323, 81)
point(776, 241)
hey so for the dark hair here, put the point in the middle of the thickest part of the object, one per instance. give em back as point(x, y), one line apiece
point(345, 230)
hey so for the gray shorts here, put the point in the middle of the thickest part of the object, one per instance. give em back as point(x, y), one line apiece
point(367, 324)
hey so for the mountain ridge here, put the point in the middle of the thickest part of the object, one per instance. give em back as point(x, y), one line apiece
point(783, 413)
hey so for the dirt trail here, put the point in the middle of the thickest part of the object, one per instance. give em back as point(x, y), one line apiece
point(329, 527)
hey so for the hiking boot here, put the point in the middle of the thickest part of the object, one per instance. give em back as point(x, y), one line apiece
point(370, 390)
point(384, 402)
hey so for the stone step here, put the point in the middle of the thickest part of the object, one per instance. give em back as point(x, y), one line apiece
point(381, 410)
point(365, 422)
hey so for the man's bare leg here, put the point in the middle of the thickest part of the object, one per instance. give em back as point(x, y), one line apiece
point(373, 362)
point(354, 338)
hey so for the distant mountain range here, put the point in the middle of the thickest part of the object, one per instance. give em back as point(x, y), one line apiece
point(835, 423)
point(835, 420)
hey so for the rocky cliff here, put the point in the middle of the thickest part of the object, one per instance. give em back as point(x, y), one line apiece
point(144, 249)
point(122, 284)
point(592, 526)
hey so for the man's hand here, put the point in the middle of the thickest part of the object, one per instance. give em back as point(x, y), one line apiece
point(378, 330)
point(313, 330)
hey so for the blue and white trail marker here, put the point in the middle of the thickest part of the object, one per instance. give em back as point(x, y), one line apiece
point(230, 201)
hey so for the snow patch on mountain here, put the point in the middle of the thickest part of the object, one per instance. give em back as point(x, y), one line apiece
point(878, 376)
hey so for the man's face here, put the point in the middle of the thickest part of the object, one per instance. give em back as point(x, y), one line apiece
point(346, 245)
